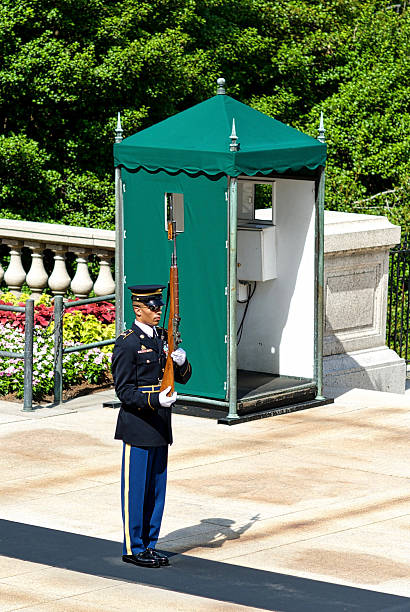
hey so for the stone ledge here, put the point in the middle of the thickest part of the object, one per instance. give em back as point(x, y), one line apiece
point(378, 369)
point(54, 234)
point(354, 232)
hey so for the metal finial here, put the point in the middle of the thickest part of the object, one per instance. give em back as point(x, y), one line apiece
point(321, 137)
point(118, 129)
point(221, 86)
point(234, 146)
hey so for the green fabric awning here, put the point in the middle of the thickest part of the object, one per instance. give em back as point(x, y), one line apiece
point(197, 141)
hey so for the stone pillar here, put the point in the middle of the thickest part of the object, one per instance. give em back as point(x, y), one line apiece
point(104, 285)
point(81, 284)
point(37, 276)
point(355, 284)
point(59, 280)
point(15, 274)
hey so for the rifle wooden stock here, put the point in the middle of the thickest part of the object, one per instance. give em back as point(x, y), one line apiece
point(168, 379)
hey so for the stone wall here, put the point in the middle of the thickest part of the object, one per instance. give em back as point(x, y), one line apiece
point(355, 285)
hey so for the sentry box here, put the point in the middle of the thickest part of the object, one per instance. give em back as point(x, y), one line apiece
point(247, 194)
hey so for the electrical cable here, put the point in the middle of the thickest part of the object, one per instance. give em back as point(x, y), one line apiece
point(247, 301)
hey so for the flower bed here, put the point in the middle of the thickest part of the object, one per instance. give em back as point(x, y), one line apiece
point(81, 325)
point(104, 312)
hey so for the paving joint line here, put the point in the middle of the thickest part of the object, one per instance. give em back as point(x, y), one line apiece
point(271, 517)
point(324, 535)
point(287, 447)
point(51, 601)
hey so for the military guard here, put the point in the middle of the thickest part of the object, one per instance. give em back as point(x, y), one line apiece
point(144, 423)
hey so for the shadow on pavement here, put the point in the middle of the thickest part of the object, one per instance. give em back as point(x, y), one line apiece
point(218, 531)
point(190, 575)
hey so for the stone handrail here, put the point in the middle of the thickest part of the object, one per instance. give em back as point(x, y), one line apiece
point(60, 239)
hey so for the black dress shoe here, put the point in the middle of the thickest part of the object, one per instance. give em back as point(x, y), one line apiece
point(143, 559)
point(160, 557)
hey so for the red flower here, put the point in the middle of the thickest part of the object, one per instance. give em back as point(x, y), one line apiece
point(103, 311)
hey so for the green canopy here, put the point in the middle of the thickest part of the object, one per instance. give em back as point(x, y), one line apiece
point(197, 141)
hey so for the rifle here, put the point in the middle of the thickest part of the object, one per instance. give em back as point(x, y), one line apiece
point(174, 337)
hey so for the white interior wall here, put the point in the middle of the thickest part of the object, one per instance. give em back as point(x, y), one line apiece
point(278, 334)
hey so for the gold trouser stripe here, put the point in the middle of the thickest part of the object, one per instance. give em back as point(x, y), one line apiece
point(127, 498)
point(149, 403)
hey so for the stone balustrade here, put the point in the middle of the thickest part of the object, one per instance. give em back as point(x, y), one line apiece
point(60, 240)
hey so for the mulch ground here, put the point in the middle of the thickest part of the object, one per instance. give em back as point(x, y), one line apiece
point(84, 388)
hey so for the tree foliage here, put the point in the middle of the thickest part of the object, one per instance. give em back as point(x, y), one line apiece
point(68, 66)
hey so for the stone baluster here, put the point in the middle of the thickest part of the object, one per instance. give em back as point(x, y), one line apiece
point(37, 276)
point(59, 280)
point(104, 284)
point(81, 284)
point(15, 274)
point(1, 272)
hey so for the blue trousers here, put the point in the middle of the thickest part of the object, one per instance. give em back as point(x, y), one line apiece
point(143, 486)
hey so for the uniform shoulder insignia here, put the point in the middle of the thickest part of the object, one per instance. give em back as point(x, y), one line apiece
point(126, 333)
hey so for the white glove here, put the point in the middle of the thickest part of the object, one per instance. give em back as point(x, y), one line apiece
point(179, 356)
point(164, 400)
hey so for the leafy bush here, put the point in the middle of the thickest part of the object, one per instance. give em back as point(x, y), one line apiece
point(102, 312)
point(85, 329)
point(42, 316)
point(68, 67)
point(82, 325)
point(90, 366)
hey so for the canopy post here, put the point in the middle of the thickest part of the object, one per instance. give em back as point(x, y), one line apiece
point(319, 319)
point(119, 241)
point(233, 222)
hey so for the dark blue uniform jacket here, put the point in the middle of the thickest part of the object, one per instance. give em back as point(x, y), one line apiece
point(137, 361)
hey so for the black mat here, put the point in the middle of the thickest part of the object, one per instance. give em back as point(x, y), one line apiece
point(253, 383)
point(190, 575)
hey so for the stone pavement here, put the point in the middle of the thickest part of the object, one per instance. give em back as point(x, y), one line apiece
point(305, 512)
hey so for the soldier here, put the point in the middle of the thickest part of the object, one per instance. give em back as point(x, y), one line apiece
point(144, 423)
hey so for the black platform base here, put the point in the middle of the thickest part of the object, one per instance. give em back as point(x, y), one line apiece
point(263, 414)
point(207, 412)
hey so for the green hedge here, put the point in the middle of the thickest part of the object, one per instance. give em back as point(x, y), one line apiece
point(68, 67)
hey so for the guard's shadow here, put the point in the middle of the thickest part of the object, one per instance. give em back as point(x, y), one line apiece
point(243, 586)
point(209, 533)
